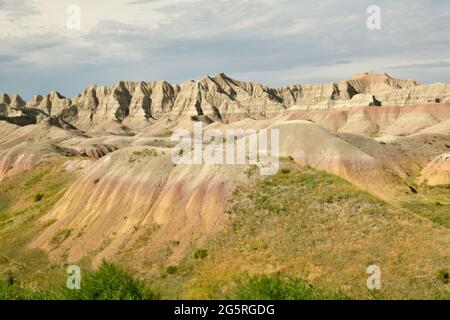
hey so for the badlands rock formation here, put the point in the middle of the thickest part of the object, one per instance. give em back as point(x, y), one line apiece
point(222, 99)
point(370, 104)
point(373, 130)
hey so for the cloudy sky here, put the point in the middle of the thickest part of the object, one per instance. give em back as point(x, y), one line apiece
point(276, 42)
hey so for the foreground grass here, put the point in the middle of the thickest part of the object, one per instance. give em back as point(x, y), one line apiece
point(431, 202)
point(306, 229)
point(266, 287)
point(23, 200)
point(108, 282)
point(29, 274)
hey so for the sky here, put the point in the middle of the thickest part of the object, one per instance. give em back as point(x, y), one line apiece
point(275, 42)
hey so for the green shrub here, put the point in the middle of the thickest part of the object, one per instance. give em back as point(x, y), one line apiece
point(265, 287)
point(110, 282)
point(18, 291)
point(38, 197)
point(200, 253)
point(171, 269)
point(141, 154)
point(285, 171)
point(443, 276)
point(62, 235)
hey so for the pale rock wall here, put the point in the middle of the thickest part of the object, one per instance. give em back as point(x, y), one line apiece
point(223, 99)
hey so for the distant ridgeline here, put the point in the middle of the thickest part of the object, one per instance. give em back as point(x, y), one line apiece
point(218, 98)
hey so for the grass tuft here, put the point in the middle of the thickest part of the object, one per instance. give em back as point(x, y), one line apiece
point(268, 287)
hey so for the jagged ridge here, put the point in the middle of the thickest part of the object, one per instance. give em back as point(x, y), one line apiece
point(221, 98)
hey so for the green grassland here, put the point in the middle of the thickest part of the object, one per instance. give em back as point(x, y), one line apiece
point(432, 202)
point(305, 228)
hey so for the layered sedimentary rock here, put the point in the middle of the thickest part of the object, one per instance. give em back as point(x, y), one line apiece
point(21, 157)
point(129, 195)
point(10, 105)
point(311, 144)
point(437, 172)
point(95, 151)
point(53, 103)
point(4, 104)
point(182, 201)
point(379, 121)
point(223, 99)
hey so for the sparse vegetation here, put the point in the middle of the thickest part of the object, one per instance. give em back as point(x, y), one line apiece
point(61, 236)
point(251, 170)
point(19, 291)
point(141, 154)
point(200, 253)
point(110, 282)
point(443, 275)
point(267, 287)
point(146, 235)
point(38, 197)
point(171, 269)
point(311, 225)
point(19, 223)
point(432, 203)
point(127, 132)
point(373, 132)
point(301, 234)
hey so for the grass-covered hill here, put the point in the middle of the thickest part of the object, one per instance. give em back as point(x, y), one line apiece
point(302, 234)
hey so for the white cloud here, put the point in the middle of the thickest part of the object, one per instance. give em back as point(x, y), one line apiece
point(271, 41)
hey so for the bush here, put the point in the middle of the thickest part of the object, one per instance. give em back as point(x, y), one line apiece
point(284, 171)
point(171, 269)
point(18, 291)
point(266, 287)
point(61, 236)
point(200, 254)
point(443, 276)
point(110, 282)
point(38, 197)
point(9, 291)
